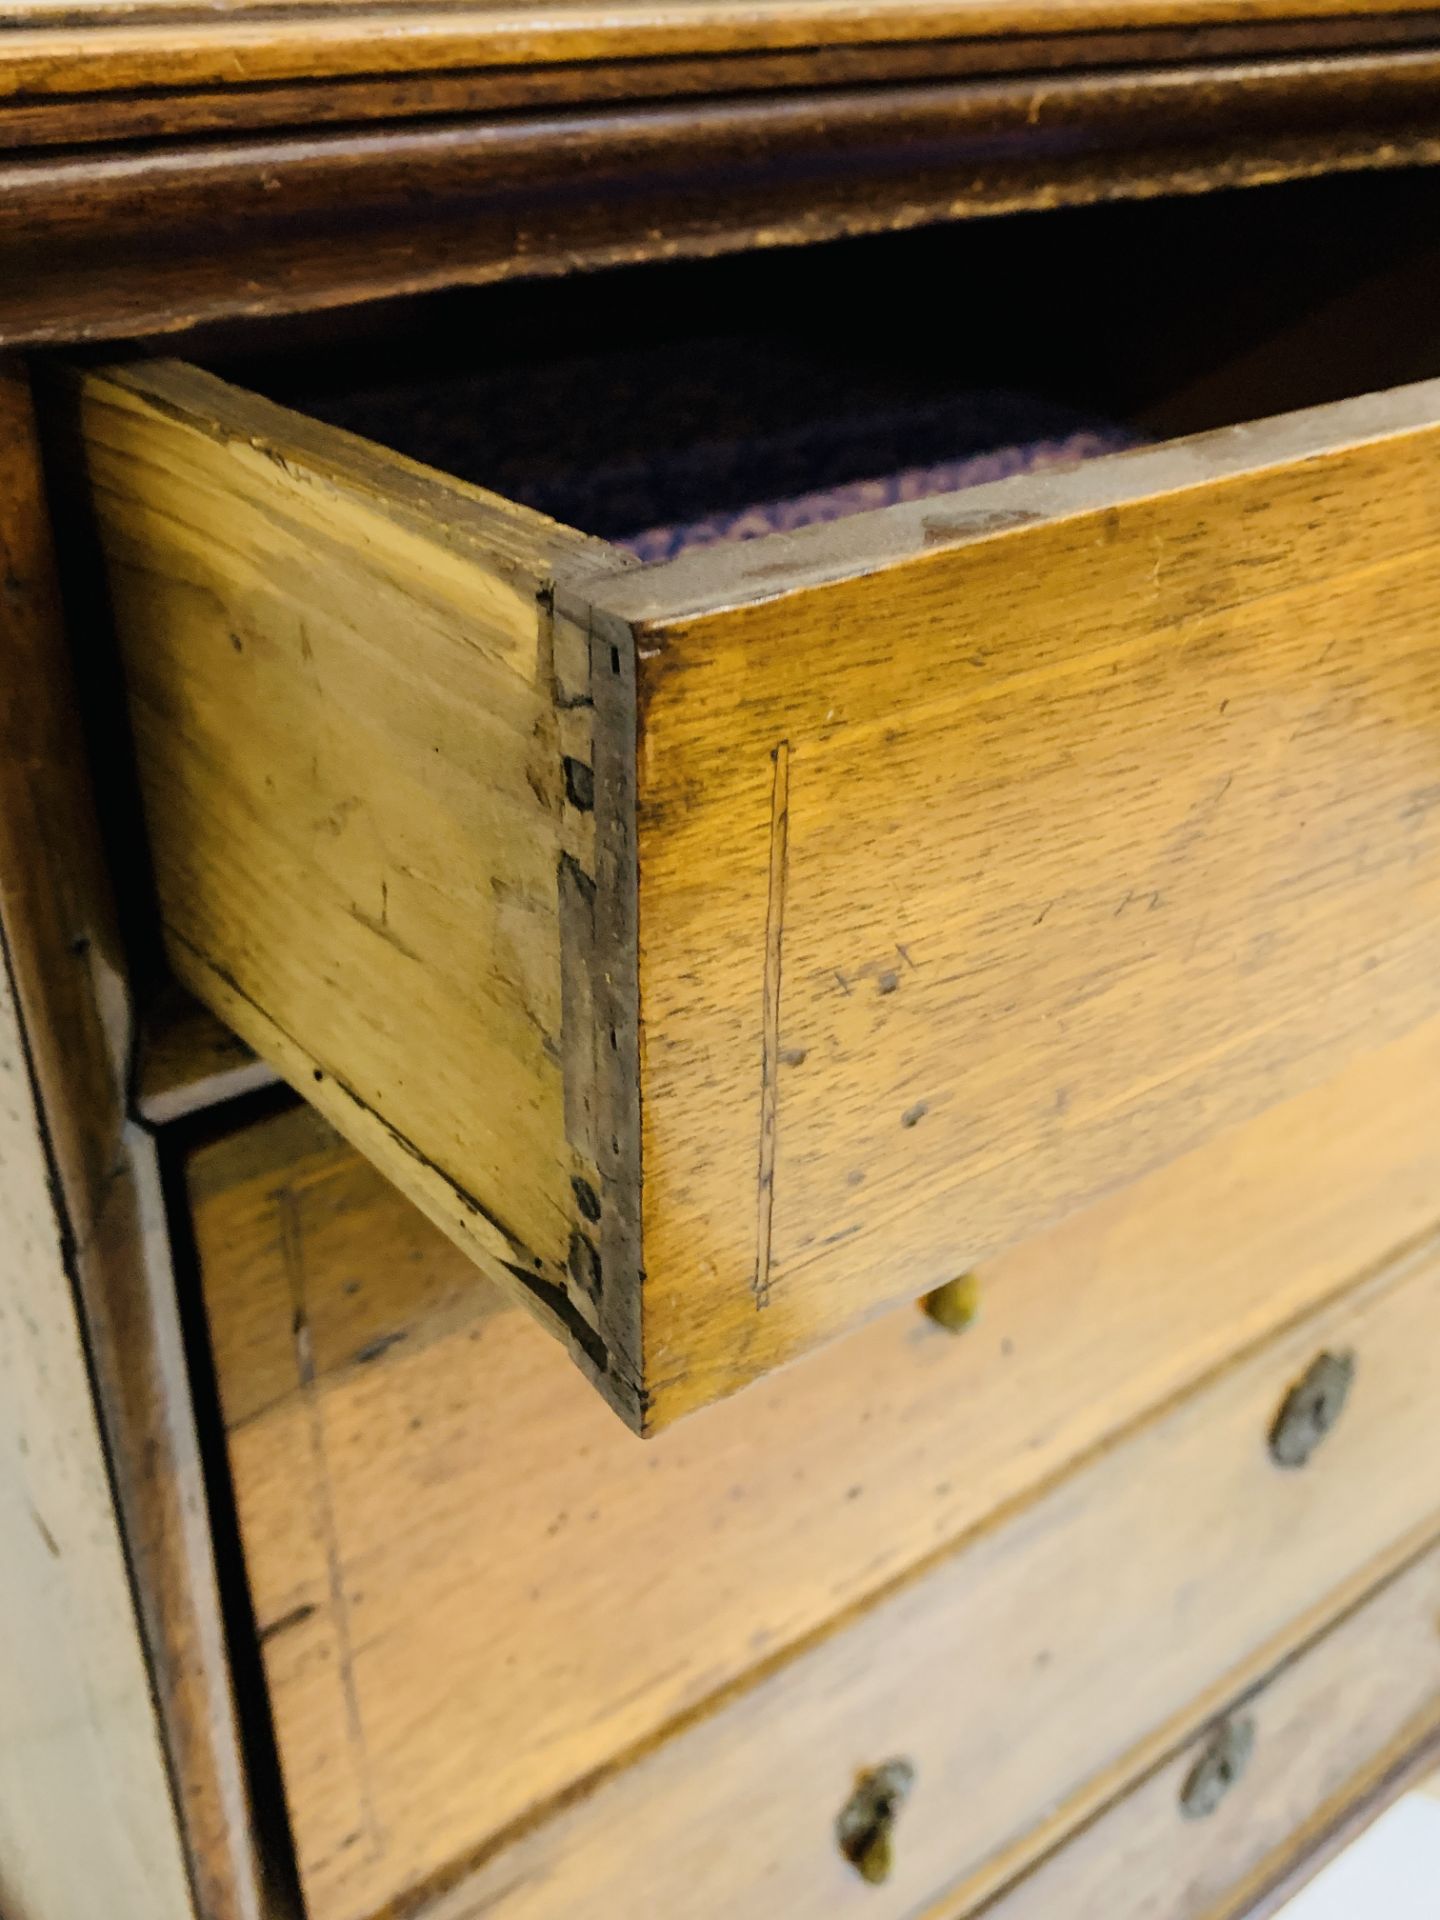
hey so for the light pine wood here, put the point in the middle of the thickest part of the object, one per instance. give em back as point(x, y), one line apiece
point(1330, 1726)
point(85, 1799)
point(951, 865)
point(441, 1523)
point(353, 743)
point(1029, 1676)
point(1109, 818)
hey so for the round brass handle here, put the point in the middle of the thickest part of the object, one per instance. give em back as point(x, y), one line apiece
point(956, 1305)
point(1311, 1408)
point(865, 1825)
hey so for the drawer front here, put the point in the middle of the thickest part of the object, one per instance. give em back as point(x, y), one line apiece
point(723, 950)
point(474, 1591)
point(1026, 1678)
point(1328, 1729)
point(994, 849)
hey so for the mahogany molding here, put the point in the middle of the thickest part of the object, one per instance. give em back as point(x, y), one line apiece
point(158, 236)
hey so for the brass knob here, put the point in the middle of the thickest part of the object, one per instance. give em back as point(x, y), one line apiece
point(956, 1305)
point(865, 1826)
point(1217, 1769)
point(1311, 1408)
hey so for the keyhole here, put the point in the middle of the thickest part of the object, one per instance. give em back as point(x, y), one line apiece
point(1311, 1408)
point(865, 1827)
point(1217, 1769)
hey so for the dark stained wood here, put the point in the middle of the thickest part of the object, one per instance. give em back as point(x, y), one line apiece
point(159, 44)
point(70, 986)
point(1321, 345)
point(158, 238)
point(902, 132)
point(188, 1061)
point(28, 120)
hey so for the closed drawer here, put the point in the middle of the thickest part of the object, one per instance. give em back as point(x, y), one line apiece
point(1322, 1737)
point(725, 948)
point(474, 1593)
point(1025, 1678)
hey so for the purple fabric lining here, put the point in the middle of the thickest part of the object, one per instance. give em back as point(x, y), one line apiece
point(862, 496)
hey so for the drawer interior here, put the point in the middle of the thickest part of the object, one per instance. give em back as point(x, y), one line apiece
point(675, 406)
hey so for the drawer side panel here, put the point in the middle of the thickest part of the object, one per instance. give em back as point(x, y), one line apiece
point(361, 776)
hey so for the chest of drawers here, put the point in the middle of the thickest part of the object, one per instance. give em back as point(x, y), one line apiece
point(851, 881)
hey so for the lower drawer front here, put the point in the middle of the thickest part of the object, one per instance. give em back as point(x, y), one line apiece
point(1025, 1677)
point(475, 1591)
point(1325, 1733)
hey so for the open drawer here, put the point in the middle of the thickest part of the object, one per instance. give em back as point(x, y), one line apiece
point(724, 948)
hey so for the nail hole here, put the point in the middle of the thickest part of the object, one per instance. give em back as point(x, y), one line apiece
point(586, 1198)
point(584, 1265)
point(580, 785)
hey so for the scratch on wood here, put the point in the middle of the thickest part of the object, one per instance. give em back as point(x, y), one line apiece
point(52, 1545)
point(296, 1617)
point(381, 925)
point(770, 1058)
point(292, 1252)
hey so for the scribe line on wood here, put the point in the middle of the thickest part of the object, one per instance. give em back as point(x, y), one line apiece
point(770, 1057)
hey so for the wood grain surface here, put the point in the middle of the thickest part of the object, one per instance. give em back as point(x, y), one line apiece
point(990, 850)
point(85, 1796)
point(95, 1351)
point(113, 227)
point(158, 45)
point(624, 1586)
point(1030, 1675)
point(355, 752)
point(940, 128)
point(62, 118)
point(1332, 1726)
point(1109, 819)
